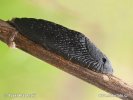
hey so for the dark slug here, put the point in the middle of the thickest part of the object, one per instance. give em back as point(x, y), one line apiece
point(69, 44)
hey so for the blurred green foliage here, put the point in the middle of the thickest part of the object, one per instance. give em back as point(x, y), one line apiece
point(108, 23)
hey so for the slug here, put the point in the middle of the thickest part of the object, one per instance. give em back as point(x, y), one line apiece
point(69, 44)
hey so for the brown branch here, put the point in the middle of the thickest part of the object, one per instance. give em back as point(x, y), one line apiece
point(109, 83)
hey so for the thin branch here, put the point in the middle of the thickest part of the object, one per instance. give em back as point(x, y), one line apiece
point(109, 83)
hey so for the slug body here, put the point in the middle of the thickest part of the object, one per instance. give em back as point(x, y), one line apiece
point(69, 44)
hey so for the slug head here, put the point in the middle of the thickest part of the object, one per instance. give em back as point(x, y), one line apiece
point(97, 60)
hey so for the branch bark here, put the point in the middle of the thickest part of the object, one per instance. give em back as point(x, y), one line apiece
point(109, 83)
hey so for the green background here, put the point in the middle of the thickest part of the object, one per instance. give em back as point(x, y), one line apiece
point(108, 23)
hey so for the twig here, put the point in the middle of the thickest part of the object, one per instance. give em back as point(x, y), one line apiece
point(109, 83)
